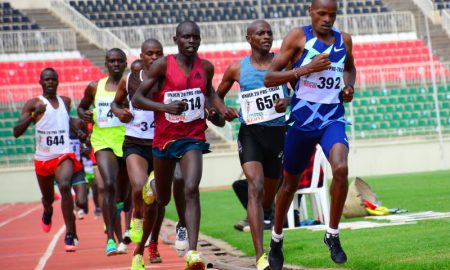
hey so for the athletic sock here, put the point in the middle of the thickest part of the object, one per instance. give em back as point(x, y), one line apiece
point(277, 237)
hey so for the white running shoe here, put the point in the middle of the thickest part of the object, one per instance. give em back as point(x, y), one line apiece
point(122, 248)
point(181, 238)
point(81, 214)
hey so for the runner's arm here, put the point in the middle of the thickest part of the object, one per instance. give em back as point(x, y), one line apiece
point(26, 117)
point(83, 108)
point(117, 106)
point(290, 50)
point(216, 98)
point(143, 98)
point(349, 70)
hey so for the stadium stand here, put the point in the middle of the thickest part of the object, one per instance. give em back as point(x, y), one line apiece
point(69, 70)
point(13, 20)
point(115, 13)
point(442, 4)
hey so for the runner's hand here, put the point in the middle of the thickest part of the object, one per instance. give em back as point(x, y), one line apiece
point(229, 114)
point(176, 107)
point(280, 105)
point(40, 109)
point(215, 117)
point(347, 93)
point(88, 116)
point(319, 63)
point(125, 115)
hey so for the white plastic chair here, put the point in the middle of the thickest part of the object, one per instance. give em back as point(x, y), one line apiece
point(318, 195)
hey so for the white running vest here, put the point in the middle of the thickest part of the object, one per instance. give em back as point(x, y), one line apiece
point(143, 123)
point(52, 132)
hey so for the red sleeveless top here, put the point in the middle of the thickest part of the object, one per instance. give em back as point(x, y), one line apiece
point(172, 127)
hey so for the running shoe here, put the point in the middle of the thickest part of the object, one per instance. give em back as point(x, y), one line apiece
point(97, 212)
point(122, 248)
point(194, 261)
point(181, 238)
point(276, 258)
point(46, 222)
point(241, 224)
point(136, 230)
point(263, 263)
point(126, 237)
point(137, 263)
point(147, 192)
point(111, 248)
point(69, 243)
point(334, 245)
point(154, 256)
point(81, 214)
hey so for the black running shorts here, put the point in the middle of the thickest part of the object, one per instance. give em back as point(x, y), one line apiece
point(263, 144)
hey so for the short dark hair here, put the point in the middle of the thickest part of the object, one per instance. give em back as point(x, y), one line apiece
point(47, 69)
point(150, 40)
point(182, 24)
point(124, 55)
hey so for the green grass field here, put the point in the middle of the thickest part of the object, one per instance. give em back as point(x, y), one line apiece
point(425, 245)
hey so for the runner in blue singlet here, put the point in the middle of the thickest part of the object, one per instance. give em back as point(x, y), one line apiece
point(323, 72)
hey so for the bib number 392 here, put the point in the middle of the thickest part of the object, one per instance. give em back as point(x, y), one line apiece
point(329, 83)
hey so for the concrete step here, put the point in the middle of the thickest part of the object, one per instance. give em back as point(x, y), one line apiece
point(47, 20)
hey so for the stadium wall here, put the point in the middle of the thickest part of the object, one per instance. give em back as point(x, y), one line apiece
point(29, 4)
point(221, 169)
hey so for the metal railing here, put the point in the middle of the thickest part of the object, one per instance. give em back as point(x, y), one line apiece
point(234, 31)
point(429, 9)
point(102, 38)
point(37, 41)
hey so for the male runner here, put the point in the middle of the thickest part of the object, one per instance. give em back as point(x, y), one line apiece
point(178, 87)
point(54, 158)
point(324, 73)
point(137, 149)
point(262, 131)
point(106, 139)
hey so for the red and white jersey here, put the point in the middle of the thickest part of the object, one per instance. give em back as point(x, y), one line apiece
point(52, 131)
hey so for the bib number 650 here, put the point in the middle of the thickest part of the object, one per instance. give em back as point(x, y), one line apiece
point(267, 102)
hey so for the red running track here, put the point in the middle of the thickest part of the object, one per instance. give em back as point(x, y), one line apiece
point(24, 246)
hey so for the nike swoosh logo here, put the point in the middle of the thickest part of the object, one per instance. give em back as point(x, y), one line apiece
point(337, 50)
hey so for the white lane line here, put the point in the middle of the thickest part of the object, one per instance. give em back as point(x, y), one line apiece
point(50, 249)
point(19, 216)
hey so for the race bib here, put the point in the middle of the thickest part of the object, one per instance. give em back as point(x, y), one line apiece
point(195, 108)
point(142, 125)
point(52, 142)
point(105, 117)
point(76, 147)
point(258, 105)
point(322, 87)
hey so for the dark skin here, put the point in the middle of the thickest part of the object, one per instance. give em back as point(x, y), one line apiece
point(323, 16)
point(261, 189)
point(32, 112)
point(108, 164)
point(188, 41)
point(137, 166)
